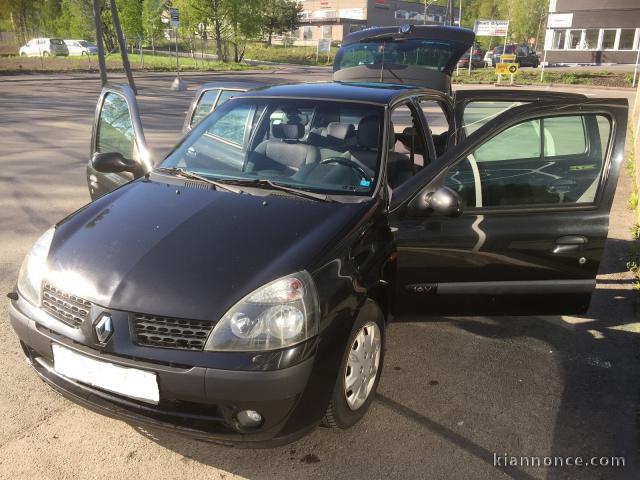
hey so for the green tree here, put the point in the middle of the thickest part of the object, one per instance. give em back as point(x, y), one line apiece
point(245, 22)
point(24, 16)
point(130, 13)
point(280, 16)
point(526, 17)
point(75, 19)
point(152, 19)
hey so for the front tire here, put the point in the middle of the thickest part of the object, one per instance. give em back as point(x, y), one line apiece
point(45, 54)
point(360, 370)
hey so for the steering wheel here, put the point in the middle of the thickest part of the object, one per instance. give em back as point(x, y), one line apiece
point(347, 162)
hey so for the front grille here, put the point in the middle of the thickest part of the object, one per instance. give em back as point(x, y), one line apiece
point(154, 331)
point(67, 308)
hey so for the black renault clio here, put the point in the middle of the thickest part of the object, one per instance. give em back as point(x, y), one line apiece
point(239, 289)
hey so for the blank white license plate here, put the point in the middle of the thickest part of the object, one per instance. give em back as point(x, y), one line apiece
point(130, 382)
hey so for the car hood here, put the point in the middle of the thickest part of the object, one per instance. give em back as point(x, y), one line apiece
point(151, 247)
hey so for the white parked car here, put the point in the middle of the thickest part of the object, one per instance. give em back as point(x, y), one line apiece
point(44, 47)
point(81, 47)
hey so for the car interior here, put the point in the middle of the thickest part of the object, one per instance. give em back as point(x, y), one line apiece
point(321, 145)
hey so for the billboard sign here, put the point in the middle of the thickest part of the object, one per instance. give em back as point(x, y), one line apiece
point(491, 28)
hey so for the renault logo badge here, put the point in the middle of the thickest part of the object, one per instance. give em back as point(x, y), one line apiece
point(104, 327)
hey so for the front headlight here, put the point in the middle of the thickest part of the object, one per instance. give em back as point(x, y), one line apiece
point(277, 315)
point(34, 267)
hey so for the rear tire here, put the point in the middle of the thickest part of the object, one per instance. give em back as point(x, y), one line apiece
point(45, 54)
point(360, 370)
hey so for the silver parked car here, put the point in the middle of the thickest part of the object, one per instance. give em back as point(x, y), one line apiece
point(44, 47)
point(81, 47)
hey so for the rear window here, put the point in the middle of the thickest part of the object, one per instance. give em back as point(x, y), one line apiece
point(428, 54)
point(56, 41)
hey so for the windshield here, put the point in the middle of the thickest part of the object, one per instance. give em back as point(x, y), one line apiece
point(323, 146)
point(56, 41)
point(429, 54)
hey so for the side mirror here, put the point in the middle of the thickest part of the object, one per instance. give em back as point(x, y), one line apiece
point(444, 201)
point(114, 162)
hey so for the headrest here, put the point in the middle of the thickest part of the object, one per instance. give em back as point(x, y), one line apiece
point(368, 132)
point(340, 131)
point(288, 131)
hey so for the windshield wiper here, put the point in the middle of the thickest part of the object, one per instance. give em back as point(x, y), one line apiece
point(181, 172)
point(263, 182)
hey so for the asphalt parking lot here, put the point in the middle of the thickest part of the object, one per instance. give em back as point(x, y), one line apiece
point(454, 391)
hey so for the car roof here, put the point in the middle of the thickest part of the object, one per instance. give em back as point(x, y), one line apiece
point(380, 93)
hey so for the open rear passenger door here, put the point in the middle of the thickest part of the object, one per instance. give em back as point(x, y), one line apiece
point(210, 96)
point(117, 130)
point(514, 219)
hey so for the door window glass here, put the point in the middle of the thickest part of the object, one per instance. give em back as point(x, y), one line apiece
point(225, 95)
point(436, 118)
point(407, 150)
point(461, 178)
point(232, 125)
point(564, 136)
point(548, 161)
point(519, 141)
point(115, 129)
point(204, 106)
point(476, 114)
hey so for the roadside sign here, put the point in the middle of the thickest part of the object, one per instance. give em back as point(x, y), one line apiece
point(491, 28)
point(324, 45)
point(174, 14)
point(506, 68)
point(560, 20)
point(507, 58)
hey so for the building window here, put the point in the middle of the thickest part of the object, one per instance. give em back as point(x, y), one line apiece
point(591, 36)
point(558, 39)
point(402, 15)
point(574, 39)
point(307, 33)
point(627, 37)
point(326, 31)
point(608, 39)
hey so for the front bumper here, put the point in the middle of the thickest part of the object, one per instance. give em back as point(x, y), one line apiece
point(201, 402)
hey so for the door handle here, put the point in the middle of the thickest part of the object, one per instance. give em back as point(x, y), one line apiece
point(569, 243)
